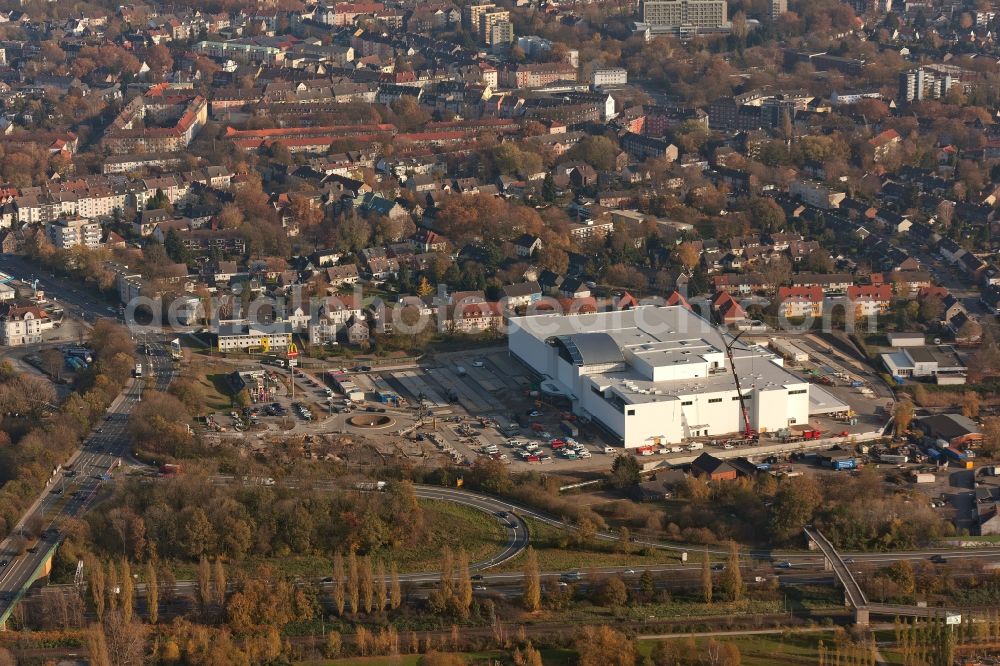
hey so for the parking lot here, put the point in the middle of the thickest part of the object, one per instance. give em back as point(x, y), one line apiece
point(468, 404)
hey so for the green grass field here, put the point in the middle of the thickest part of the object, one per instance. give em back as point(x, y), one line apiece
point(552, 557)
point(210, 376)
point(551, 657)
point(789, 649)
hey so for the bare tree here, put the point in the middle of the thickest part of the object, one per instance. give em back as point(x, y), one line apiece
point(53, 363)
point(126, 641)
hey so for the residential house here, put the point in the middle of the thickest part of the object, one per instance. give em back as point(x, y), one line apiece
point(339, 276)
point(958, 325)
point(750, 283)
point(799, 250)
point(22, 324)
point(884, 143)
point(727, 309)
point(382, 268)
point(832, 283)
point(905, 283)
point(950, 250)
point(325, 257)
point(972, 265)
point(376, 204)
point(991, 298)
point(527, 244)
point(951, 307)
point(870, 300)
point(331, 317)
point(709, 467)
point(549, 281)
point(356, 331)
point(521, 295)
point(474, 317)
point(574, 288)
point(425, 240)
point(800, 301)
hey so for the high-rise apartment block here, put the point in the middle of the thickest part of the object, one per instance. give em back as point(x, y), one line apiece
point(683, 13)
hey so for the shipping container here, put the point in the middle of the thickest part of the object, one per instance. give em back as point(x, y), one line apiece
point(923, 477)
point(847, 463)
point(893, 459)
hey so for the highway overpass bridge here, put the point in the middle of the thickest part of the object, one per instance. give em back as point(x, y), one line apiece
point(41, 570)
point(854, 596)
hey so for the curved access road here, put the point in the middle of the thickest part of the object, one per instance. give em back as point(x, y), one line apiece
point(515, 527)
point(800, 556)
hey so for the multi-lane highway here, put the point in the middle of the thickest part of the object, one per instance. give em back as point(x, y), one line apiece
point(71, 490)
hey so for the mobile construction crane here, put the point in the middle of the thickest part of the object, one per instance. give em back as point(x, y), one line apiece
point(750, 436)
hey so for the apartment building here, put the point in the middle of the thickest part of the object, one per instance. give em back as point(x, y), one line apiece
point(609, 76)
point(244, 336)
point(675, 14)
point(537, 75)
point(471, 14)
point(66, 233)
point(923, 83)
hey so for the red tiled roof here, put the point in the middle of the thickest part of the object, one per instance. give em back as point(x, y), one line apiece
point(813, 294)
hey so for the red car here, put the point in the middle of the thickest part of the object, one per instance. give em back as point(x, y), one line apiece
point(533, 458)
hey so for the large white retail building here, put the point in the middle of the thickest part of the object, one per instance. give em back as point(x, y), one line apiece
point(657, 374)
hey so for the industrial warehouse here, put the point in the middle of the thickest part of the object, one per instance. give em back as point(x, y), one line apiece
point(658, 374)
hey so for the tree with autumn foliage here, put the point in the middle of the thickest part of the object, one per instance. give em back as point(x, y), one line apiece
point(464, 218)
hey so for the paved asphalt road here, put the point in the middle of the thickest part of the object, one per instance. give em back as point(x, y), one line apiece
point(78, 302)
point(71, 491)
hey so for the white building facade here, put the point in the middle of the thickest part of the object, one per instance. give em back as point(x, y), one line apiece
point(657, 374)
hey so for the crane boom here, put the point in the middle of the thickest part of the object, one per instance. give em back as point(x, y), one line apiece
point(748, 431)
